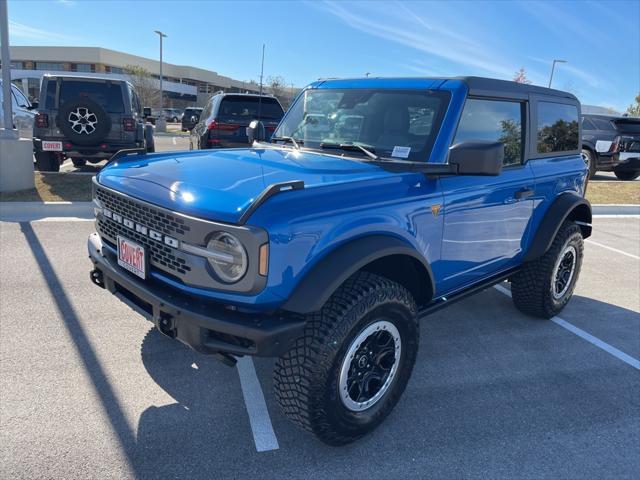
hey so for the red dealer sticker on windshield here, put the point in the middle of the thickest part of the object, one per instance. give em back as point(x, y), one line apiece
point(131, 256)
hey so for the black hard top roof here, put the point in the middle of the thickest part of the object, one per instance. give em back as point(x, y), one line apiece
point(488, 86)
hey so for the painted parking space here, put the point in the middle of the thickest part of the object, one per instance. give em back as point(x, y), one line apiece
point(90, 389)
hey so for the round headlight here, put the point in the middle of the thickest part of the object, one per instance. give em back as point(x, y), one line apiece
point(229, 259)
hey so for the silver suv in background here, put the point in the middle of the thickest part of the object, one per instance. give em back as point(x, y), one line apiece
point(23, 111)
point(87, 119)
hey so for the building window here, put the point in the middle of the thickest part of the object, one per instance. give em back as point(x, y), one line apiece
point(49, 66)
point(15, 65)
point(110, 69)
point(83, 67)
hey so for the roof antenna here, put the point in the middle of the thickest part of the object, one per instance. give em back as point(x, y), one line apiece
point(260, 97)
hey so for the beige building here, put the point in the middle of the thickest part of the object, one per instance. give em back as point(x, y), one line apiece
point(182, 85)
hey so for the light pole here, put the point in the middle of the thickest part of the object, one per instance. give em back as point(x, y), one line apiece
point(16, 154)
point(161, 124)
point(553, 67)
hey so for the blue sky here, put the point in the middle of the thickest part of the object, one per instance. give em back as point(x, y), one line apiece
point(311, 39)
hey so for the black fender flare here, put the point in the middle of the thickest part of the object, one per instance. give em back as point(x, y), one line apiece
point(336, 267)
point(567, 206)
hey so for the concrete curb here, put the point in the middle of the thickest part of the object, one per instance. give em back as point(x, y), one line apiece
point(30, 211)
point(615, 209)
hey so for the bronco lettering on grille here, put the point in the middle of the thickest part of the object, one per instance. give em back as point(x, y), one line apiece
point(158, 237)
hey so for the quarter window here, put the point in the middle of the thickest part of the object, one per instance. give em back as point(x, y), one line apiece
point(495, 121)
point(557, 127)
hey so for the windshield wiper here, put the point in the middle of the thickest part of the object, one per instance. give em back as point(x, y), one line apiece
point(296, 143)
point(369, 152)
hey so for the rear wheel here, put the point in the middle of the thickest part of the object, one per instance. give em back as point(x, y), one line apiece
point(544, 286)
point(349, 369)
point(47, 162)
point(590, 161)
point(627, 174)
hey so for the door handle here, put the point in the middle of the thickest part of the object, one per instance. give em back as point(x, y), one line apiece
point(524, 193)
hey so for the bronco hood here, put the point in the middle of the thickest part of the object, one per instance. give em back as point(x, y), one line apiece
point(221, 184)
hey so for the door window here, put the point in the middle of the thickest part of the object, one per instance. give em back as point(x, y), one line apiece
point(496, 121)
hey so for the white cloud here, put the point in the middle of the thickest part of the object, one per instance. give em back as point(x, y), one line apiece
point(25, 32)
point(405, 27)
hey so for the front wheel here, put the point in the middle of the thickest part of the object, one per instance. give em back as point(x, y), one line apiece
point(544, 286)
point(347, 372)
point(627, 174)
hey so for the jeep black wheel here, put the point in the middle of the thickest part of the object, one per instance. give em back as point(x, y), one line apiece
point(78, 162)
point(349, 369)
point(47, 162)
point(83, 121)
point(544, 286)
point(590, 162)
point(627, 174)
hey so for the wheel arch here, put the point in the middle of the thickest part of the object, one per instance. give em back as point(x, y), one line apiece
point(384, 255)
point(568, 206)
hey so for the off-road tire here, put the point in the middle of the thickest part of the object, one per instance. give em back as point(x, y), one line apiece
point(531, 287)
point(78, 162)
point(627, 174)
point(306, 378)
point(590, 160)
point(47, 162)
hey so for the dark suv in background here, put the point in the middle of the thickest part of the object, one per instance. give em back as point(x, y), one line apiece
point(87, 119)
point(190, 118)
point(611, 144)
point(226, 116)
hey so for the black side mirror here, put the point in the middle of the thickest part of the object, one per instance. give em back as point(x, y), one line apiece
point(146, 111)
point(477, 157)
point(33, 106)
point(256, 132)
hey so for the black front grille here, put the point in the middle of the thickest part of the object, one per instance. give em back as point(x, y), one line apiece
point(143, 214)
point(159, 254)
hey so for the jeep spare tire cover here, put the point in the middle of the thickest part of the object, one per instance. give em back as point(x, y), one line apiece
point(83, 121)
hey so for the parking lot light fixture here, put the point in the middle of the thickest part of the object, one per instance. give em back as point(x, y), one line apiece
point(553, 67)
point(161, 124)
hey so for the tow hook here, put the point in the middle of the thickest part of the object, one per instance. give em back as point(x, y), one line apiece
point(166, 325)
point(97, 278)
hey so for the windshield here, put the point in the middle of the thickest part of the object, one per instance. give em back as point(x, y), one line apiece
point(390, 123)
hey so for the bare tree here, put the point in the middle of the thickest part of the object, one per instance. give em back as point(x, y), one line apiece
point(145, 85)
point(277, 84)
point(634, 109)
point(521, 76)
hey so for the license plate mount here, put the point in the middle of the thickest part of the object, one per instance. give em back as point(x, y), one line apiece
point(132, 257)
point(51, 146)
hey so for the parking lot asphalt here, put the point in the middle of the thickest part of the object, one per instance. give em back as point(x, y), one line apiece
point(88, 389)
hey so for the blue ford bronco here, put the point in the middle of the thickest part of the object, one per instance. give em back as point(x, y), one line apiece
point(375, 202)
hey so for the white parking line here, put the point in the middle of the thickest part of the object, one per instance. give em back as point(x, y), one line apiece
point(263, 434)
point(612, 249)
point(628, 359)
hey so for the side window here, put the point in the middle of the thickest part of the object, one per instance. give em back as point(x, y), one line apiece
point(557, 127)
point(604, 125)
point(207, 110)
point(20, 98)
point(50, 96)
point(588, 124)
point(496, 121)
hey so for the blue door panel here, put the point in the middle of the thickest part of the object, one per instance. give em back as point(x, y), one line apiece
point(485, 226)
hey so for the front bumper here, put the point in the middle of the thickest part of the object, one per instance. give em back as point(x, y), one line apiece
point(207, 327)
